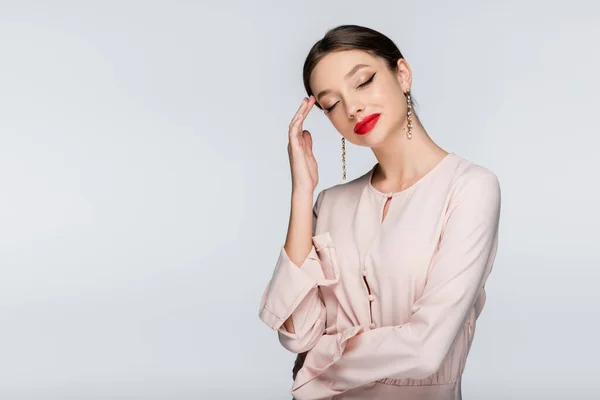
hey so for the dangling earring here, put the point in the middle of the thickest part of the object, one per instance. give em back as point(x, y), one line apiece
point(409, 115)
point(344, 158)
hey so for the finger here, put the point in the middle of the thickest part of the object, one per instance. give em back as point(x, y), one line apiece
point(295, 139)
point(303, 111)
point(309, 104)
point(298, 112)
point(308, 141)
point(296, 128)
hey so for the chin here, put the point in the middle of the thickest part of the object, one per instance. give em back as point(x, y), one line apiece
point(374, 138)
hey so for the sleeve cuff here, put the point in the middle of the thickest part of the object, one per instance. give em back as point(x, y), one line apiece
point(290, 283)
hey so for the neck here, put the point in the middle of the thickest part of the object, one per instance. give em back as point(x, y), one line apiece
point(403, 161)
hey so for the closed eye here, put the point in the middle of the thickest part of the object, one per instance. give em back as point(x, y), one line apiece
point(328, 110)
point(368, 81)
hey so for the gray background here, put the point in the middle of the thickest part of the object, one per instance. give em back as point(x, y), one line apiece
point(145, 186)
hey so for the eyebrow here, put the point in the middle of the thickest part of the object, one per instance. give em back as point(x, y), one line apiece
point(348, 75)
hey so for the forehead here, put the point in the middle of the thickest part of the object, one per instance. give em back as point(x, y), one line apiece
point(332, 68)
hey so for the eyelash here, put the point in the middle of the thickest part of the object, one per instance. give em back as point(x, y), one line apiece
point(328, 110)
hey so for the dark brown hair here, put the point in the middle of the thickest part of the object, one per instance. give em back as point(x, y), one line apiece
point(351, 37)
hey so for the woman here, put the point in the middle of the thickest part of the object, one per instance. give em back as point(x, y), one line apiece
point(380, 281)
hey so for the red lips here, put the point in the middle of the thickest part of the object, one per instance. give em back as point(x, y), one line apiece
point(366, 124)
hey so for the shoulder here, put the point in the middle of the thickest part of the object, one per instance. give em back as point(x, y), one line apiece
point(475, 184)
point(346, 189)
point(341, 193)
point(474, 176)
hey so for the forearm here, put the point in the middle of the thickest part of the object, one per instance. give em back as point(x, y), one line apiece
point(299, 235)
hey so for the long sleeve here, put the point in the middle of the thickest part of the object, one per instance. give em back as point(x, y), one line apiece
point(293, 291)
point(465, 256)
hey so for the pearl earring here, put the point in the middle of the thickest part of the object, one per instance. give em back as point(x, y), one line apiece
point(409, 115)
point(344, 158)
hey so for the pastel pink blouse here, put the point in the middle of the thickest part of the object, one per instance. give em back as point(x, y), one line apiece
point(387, 310)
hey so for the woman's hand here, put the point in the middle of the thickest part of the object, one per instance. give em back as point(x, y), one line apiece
point(305, 174)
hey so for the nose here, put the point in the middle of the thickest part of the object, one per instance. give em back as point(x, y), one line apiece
point(353, 107)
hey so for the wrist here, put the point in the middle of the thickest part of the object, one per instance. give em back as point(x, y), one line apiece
point(302, 193)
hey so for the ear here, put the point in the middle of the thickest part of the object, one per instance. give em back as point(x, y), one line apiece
point(404, 75)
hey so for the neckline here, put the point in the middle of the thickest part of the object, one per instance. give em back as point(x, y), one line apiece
point(411, 187)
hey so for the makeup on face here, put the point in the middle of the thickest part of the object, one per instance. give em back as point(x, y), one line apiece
point(352, 72)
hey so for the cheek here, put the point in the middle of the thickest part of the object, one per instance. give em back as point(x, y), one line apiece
point(341, 123)
point(389, 95)
point(380, 95)
point(345, 128)
point(389, 99)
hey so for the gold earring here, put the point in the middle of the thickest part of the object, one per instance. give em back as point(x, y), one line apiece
point(344, 158)
point(409, 115)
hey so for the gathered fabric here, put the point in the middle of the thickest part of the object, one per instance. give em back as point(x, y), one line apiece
point(386, 308)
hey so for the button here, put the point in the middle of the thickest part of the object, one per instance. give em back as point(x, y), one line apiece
point(372, 326)
point(371, 297)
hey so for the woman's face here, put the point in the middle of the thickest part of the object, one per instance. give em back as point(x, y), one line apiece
point(351, 85)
